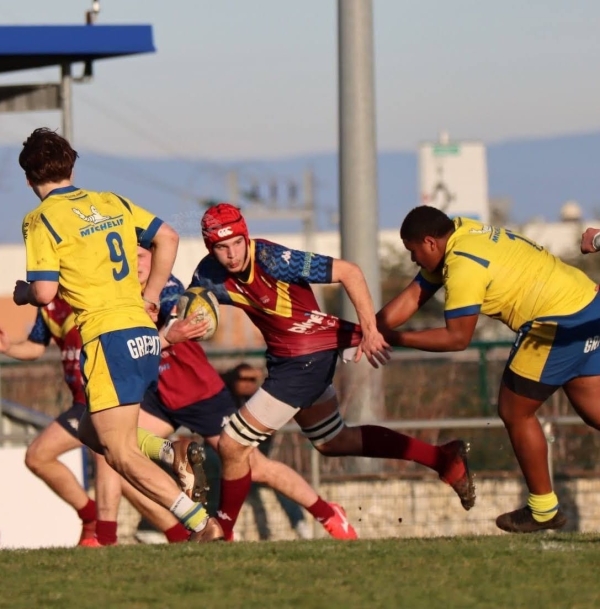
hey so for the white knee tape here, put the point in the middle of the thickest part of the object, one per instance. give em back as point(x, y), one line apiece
point(270, 411)
point(242, 432)
point(324, 430)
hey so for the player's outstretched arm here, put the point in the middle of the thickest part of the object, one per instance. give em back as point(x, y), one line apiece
point(24, 350)
point(456, 336)
point(400, 309)
point(165, 244)
point(373, 345)
point(590, 240)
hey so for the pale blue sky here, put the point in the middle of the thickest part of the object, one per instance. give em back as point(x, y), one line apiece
point(258, 78)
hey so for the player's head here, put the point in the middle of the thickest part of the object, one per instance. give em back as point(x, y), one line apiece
point(226, 236)
point(47, 158)
point(243, 380)
point(424, 232)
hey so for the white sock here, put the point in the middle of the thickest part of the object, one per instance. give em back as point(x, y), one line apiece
point(189, 513)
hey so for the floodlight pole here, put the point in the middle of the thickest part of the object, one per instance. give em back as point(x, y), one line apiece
point(359, 210)
point(66, 101)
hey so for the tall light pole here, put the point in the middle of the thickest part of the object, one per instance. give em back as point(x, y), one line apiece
point(66, 100)
point(359, 208)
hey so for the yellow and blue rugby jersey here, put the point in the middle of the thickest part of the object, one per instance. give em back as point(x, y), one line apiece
point(503, 275)
point(87, 241)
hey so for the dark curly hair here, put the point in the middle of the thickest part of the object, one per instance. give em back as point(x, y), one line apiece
point(47, 157)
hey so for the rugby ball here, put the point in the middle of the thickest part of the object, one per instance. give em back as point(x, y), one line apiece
point(200, 304)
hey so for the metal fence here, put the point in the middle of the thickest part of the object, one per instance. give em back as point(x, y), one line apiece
point(434, 397)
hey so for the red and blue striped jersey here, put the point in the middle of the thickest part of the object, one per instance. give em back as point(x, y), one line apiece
point(277, 296)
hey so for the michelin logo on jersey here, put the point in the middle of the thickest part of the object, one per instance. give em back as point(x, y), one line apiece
point(97, 221)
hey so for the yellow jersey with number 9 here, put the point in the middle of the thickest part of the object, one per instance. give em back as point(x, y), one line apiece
point(504, 275)
point(87, 242)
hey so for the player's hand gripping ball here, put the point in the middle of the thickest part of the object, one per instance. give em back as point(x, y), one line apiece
point(200, 304)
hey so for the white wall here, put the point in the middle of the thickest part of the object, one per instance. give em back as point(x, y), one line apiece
point(31, 515)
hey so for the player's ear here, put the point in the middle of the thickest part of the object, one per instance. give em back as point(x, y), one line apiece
point(430, 243)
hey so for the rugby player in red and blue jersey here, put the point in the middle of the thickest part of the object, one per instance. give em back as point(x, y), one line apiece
point(191, 394)
point(271, 283)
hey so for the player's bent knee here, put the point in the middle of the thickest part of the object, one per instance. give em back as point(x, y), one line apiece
point(243, 433)
point(262, 469)
point(508, 414)
point(325, 434)
point(121, 458)
point(502, 414)
point(33, 460)
point(113, 461)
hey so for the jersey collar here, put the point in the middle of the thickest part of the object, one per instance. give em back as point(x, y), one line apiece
point(61, 191)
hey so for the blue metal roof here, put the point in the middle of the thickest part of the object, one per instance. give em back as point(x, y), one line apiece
point(38, 46)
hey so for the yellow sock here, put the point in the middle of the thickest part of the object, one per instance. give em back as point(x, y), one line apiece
point(150, 445)
point(543, 507)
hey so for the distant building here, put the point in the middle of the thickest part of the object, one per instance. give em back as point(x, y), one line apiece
point(453, 177)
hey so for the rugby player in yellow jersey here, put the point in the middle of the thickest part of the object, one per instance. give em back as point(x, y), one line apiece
point(84, 244)
point(553, 307)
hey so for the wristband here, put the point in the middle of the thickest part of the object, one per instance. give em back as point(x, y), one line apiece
point(596, 242)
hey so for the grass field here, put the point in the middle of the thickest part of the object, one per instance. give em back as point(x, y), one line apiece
point(545, 571)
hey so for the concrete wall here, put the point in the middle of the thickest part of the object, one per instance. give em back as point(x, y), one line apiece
point(427, 508)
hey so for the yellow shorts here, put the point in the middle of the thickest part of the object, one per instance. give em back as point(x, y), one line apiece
point(119, 367)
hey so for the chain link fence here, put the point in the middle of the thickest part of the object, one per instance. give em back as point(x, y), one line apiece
point(434, 397)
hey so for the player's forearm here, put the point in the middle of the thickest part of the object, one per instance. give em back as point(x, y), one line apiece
point(434, 339)
point(27, 350)
point(353, 281)
point(399, 310)
point(165, 342)
point(166, 242)
point(36, 293)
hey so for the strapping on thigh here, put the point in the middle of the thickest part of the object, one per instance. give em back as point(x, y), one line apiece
point(243, 433)
point(325, 430)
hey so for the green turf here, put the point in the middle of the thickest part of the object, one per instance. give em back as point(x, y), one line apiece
point(545, 571)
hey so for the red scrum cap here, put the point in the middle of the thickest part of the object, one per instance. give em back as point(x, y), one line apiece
point(221, 222)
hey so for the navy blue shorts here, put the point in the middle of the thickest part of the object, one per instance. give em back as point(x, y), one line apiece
point(205, 418)
point(299, 381)
point(69, 419)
